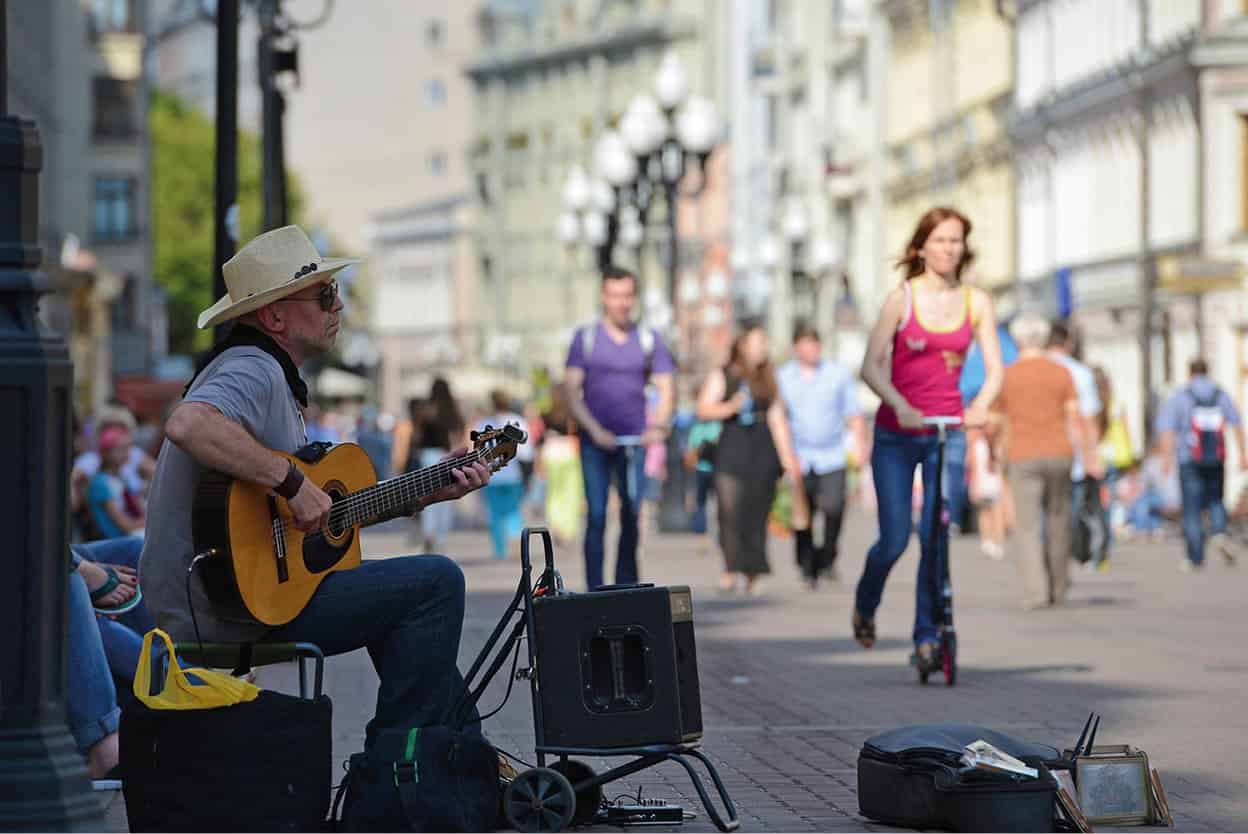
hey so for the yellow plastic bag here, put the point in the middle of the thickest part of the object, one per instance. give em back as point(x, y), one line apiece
point(1116, 445)
point(216, 690)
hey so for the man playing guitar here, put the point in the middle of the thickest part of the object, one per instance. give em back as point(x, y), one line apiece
point(243, 404)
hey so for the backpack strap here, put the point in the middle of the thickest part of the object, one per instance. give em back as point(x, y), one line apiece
point(586, 333)
point(647, 339)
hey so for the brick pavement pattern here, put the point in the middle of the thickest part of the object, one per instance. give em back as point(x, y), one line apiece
point(788, 697)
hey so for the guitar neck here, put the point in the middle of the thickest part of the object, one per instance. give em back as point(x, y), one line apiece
point(397, 496)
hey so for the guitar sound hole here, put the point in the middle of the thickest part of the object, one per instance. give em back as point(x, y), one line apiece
point(337, 517)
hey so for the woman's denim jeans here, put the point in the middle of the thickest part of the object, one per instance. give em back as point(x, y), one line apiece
point(122, 636)
point(91, 697)
point(893, 459)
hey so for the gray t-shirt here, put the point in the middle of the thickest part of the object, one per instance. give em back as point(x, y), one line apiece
point(248, 386)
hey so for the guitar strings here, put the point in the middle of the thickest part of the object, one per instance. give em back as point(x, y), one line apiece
point(375, 496)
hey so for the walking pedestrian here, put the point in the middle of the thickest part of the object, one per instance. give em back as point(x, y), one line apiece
point(559, 464)
point(1192, 430)
point(1038, 411)
point(609, 364)
point(929, 322)
point(755, 447)
point(504, 494)
point(821, 401)
point(1091, 525)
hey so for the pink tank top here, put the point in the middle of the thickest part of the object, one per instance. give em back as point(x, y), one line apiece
point(927, 365)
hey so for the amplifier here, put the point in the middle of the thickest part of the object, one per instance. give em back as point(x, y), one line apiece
point(617, 667)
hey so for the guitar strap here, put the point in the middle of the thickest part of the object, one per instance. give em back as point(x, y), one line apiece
point(243, 335)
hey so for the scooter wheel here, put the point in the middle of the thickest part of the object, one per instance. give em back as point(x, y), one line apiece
point(949, 661)
point(540, 799)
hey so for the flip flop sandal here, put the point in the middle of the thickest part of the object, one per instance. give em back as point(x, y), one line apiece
point(864, 630)
point(111, 584)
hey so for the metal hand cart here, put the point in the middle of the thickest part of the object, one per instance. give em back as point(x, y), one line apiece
point(568, 792)
point(946, 656)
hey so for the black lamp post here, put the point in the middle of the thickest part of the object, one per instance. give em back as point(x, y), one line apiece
point(43, 777)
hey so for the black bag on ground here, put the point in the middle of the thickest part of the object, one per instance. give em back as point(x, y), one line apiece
point(422, 779)
point(913, 777)
point(262, 765)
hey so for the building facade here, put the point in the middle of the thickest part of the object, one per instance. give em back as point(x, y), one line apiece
point(550, 80)
point(950, 79)
point(79, 76)
point(1127, 118)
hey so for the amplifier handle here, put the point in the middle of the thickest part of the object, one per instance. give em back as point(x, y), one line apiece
point(526, 562)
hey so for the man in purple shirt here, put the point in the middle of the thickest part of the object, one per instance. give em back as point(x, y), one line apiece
point(609, 365)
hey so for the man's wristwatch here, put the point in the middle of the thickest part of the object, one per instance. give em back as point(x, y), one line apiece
point(289, 487)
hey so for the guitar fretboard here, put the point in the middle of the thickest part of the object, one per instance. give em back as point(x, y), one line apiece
point(395, 497)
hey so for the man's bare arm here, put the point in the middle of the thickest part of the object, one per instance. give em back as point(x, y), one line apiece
point(573, 389)
point(217, 442)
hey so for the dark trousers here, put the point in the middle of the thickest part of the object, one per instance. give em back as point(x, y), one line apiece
point(1202, 490)
point(825, 494)
point(626, 466)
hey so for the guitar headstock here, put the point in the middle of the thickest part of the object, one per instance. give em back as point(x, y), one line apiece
point(497, 447)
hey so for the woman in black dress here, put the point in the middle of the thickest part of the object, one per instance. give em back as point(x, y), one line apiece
point(754, 449)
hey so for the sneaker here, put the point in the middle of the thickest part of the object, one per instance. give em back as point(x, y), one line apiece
point(1186, 565)
point(993, 550)
point(110, 781)
point(1103, 567)
point(925, 657)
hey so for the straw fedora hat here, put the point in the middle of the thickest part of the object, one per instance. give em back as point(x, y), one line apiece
point(272, 266)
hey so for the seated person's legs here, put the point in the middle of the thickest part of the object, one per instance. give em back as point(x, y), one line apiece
point(408, 612)
point(91, 697)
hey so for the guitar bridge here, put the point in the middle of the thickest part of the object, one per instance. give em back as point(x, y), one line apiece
point(279, 540)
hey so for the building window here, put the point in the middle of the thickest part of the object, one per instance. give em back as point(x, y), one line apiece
point(113, 213)
point(112, 16)
point(435, 34)
point(437, 163)
point(115, 108)
point(435, 92)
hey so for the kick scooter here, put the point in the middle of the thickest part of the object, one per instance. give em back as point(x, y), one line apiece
point(946, 656)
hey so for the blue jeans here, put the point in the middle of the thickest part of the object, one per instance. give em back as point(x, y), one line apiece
point(91, 696)
point(408, 612)
point(1202, 490)
point(123, 636)
point(954, 485)
point(598, 466)
point(1144, 516)
point(893, 458)
point(503, 503)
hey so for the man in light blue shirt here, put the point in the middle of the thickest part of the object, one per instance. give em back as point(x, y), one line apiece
point(1192, 427)
point(822, 404)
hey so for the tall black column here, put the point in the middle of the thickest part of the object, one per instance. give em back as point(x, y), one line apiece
point(226, 154)
point(43, 777)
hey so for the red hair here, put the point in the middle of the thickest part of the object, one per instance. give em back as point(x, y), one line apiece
point(913, 261)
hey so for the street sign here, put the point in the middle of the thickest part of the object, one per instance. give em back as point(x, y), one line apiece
point(1188, 274)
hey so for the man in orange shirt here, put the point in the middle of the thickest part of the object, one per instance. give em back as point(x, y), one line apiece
point(1038, 411)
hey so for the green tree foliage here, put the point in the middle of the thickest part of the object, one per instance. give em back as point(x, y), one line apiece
point(182, 203)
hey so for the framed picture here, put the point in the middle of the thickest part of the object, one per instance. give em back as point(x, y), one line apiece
point(1115, 787)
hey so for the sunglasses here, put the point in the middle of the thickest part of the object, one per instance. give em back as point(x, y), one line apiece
point(327, 297)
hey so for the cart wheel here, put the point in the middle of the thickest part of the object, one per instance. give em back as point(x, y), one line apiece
point(949, 661)
point(588, 800)
point(540, 799)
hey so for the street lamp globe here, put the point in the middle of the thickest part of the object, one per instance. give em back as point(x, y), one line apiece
point(614, 160)
point(567, 228)
point(631, 233)
point(576, 189)
point(671, 84)
point(697, 125)
point(595, 226)
point(601, 197)
point(644, 126)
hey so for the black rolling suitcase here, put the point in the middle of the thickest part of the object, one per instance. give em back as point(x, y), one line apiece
point(913, 777)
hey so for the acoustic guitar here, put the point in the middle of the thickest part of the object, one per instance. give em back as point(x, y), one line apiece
point(256, 565)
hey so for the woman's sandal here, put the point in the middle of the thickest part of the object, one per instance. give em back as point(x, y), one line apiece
point(864, 631)
point(112, 583)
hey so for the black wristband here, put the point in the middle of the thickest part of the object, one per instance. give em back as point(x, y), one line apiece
point(289, 487)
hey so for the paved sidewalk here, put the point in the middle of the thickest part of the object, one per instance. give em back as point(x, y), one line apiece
point(788, 697)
